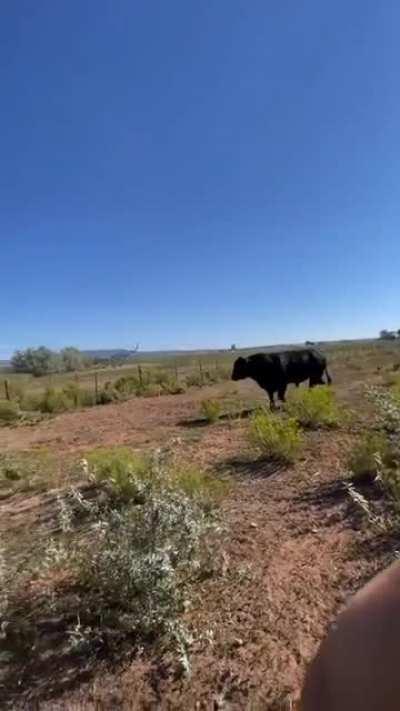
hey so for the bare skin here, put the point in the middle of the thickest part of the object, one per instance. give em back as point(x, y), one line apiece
point(357, 665)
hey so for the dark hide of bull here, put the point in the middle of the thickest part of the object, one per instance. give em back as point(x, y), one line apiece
point(274, 371)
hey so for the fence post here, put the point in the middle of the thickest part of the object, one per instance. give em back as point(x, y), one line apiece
point(201, 372)
point(96, 387)
point(140, 373)
point(7, 390)
point(176, 372)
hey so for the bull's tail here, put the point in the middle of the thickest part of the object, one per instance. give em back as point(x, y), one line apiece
point(328, 377)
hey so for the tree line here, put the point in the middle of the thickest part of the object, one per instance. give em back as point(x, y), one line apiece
point(43, 361)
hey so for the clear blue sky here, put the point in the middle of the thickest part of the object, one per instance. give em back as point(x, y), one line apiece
point(196, 173)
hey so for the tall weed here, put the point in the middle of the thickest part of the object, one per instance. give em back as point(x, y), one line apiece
point(275, 437)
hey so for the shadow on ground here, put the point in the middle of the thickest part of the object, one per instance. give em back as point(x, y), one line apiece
point(228, 416)
point(250, 468)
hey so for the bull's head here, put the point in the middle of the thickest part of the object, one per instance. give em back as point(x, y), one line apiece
point(239, 369)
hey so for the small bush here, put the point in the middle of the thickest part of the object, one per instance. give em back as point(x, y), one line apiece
point(149, 390)
point(172, 386)
point(54, 401)
point(211, 410)
point(194, 380)
point(120, 466)
point(78, 396)
point(160, 377)
point(9, 412)
point(363, 459)
point(127, 385)
point(198, 485)
point(275, 437)
point(32, 402)
point(314, 407)
point(107, 395)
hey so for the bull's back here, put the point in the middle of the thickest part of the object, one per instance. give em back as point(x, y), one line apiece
point(302, 364)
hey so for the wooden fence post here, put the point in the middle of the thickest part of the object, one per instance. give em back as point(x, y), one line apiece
point(140, 373)
point(7, 390)
point(201, 372)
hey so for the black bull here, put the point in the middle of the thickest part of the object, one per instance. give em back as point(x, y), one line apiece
point(274, 371)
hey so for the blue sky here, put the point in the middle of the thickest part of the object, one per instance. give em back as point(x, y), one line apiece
point(189, 174)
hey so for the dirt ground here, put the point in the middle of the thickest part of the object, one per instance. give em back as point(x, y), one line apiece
point(294, 551)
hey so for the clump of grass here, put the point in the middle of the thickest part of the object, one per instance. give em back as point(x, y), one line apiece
point(315, 407)
point(56, 401)
point(25, 471)
point(194, 380)
point(199, 485)
point(124, 469)
point(9, 412)
point(210, 410)
point(365, 455)
point(386, 457)
point(127, 385)
point(275, 437)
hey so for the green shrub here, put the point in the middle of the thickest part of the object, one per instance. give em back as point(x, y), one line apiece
point(29, 470)
point(54, 401)
point(78, 396)
point(198, 485)
point(120, 466)
point(314, 407)
point(148, 390)
point(275, 437)
point(127, 385)
point(107, 395)
point(211, 410)
point(9, 411)
point(171, 386)
point(32, 402)
point(194, 380)
point(160, 377)
point(363, 459)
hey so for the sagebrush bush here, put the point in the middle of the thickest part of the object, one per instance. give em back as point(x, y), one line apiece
point(9, 412)
point(210, 410)
point(275, 437)
point(314, 407)
point(131, 571)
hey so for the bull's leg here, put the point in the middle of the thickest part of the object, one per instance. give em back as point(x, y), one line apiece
point(281, 393)
point(271, 399)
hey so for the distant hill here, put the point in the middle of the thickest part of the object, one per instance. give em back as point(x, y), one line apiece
point(107, 354)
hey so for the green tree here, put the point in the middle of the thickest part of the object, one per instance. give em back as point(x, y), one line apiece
point(72, 359)
point(37, 361)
